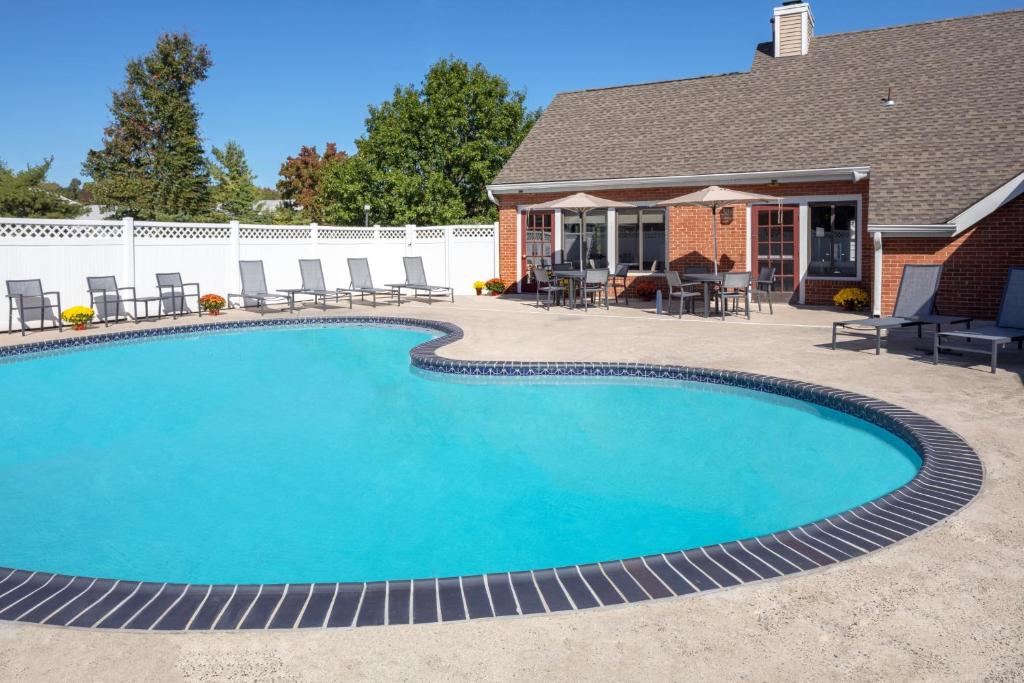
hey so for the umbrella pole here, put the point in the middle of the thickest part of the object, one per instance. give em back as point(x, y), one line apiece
point(714, 235)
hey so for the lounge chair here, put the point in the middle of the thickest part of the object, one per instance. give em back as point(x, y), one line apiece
point(313, 283)
point(416, 280)
point(362, 284)
point(1009, 325)
point(28, 295)
point(169, 285)
point(254, 287)
point(915, 307)
point(104, 293)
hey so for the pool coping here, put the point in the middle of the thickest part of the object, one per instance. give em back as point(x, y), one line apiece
point(950, 476)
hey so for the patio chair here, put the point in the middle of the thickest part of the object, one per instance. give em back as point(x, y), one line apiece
point(735, 286)
point(549, 286)
point(312, 272)
point(28, 295)
point(595, 283)
point(677, 289)
point(254, 287)
point(1009, 325)
point(620, 278)
point(362, 284)
point(104, 293)
point(170, 285)
point(416, 280)
point(915, 307)
point(762, 288)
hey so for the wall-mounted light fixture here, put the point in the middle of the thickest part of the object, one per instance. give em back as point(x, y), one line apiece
point(726, 214)
point(888, 101)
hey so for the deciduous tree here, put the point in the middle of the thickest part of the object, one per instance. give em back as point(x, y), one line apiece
point(429, 152)
point(300, 176)
point(151, 164)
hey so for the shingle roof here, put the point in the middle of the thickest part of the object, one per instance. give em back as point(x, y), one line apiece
point(955, 134)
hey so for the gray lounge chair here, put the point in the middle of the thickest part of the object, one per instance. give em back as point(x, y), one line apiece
point(104, 294)
point(362, 284)
point(416, 280)
point(28, 295)
point(313, 283)
point(915, 307)
point(254, 287)
point(1009, 325)
point(169, 285)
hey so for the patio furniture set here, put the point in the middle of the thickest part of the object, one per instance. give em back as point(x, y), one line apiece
point(110, 301)
point(565, 283)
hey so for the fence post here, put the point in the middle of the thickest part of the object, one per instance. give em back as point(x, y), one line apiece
point(449, 254)
point(236, 255)
point(314, 236)
point(128, 251)
point(497, 251)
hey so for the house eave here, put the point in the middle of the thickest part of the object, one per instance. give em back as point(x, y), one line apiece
point(932, 230)
point(1003, 195)
point(847, 173)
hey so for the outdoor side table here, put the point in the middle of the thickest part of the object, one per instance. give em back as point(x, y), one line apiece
point(146, 301)
point(291, 292)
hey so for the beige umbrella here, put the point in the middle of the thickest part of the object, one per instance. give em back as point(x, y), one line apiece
point(582, 203)
point(716, 197)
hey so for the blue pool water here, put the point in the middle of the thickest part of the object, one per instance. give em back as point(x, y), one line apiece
point(319, 454)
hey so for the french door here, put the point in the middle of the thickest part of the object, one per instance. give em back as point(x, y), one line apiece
point(775, 242)
point(538, 244)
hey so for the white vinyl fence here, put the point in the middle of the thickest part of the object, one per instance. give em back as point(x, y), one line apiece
point(62, 253)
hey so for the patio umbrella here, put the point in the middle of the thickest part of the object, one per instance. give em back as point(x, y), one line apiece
point(582, 203)
point(716, 197)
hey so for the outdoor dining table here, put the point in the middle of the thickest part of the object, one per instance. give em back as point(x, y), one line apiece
point(572, 276)
point(707, 279)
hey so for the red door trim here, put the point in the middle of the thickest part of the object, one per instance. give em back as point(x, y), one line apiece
point(757, 209)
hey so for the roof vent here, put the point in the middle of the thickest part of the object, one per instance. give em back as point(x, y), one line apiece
point(793, 25)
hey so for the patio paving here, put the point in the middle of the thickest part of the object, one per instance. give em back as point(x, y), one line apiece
point(946, 604)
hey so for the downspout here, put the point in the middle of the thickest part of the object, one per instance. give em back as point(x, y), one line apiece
point(876, 298)
point(490, 195)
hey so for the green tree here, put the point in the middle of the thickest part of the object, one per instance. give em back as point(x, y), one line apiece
point(300, 177)
point(429, 152)
point(151, 165)
point(25, 194)
point(234, 191)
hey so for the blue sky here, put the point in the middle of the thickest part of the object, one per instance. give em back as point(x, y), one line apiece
point(289, 74)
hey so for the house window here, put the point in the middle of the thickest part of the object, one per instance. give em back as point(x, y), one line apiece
point(596, 246)
point(641, 237)
point(833, 239)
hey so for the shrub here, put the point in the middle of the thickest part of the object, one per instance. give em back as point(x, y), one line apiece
point(646, 289)
point(495, 286)
point(212, 302)
point(852, 298)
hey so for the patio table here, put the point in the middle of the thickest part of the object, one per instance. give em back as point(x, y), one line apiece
point(707, 279)
point(572, 276)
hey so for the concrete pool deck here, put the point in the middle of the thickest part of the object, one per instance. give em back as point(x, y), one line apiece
point(945, 604)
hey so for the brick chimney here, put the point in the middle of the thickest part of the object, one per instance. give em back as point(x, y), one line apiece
point(792, 26)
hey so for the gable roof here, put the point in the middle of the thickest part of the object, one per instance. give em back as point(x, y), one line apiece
point(955, 134)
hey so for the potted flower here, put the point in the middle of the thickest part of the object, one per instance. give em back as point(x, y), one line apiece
point(212, 303)
point(479, 287)
point(646, 289)
point(495, 286)
point(852, 299)
point(78, 316)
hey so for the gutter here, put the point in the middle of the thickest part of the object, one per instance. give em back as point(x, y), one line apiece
point(928, 230)
point(851, 173)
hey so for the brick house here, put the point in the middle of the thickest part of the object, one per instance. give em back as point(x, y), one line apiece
point(884, 147)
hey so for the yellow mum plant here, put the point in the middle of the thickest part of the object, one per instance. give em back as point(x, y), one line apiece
point(852, 298)
point(78, 316)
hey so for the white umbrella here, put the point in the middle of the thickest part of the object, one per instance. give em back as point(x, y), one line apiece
point(716, 197)
point(582, 203)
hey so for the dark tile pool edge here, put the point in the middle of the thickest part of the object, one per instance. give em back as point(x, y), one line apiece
point(951, 475)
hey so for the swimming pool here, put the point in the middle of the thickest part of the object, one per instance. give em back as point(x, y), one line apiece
point(310, 454)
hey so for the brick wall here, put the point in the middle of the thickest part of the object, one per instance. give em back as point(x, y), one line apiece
point(689, 230)
point(975, 263)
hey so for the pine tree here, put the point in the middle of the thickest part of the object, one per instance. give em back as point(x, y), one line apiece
point(234, 191)
point(151, 165)
point(27, 194)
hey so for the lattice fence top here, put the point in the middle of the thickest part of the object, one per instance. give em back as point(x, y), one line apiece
point(273, 233)
point(170, 231)
point(392, 233)
point(44, 229)
point(429, 233)
point(345, 233)
point(473, 231)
